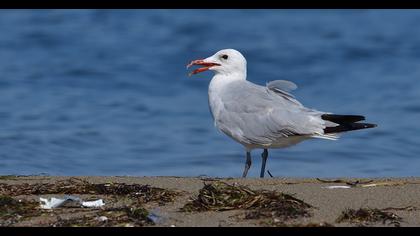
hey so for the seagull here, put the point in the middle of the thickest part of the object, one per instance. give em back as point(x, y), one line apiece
point(264, 117)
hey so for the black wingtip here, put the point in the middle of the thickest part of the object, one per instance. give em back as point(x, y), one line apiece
point(348, 127)
point(371, 125)
point(342, 119)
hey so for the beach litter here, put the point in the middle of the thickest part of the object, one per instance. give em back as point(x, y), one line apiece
point(358, 183)
point(49, 197)
point(102, 218)
point(97, 203)
point(69, 201)
point(71, 186)
point(336, 186)
point(156, 217)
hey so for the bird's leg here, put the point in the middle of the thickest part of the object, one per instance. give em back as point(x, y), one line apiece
point(264, 156)
point(247, 164)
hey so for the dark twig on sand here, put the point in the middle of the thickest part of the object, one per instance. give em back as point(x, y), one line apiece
point(355, 183)
point(409, 208)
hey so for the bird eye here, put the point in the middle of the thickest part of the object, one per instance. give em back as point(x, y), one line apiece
point(225, 57)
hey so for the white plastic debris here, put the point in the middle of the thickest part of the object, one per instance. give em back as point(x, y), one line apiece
point(54, 202)
point(58, 202)
point(97, 203)
point(369, 185)
point(102, 218)
point(336, 186)
point(156, 216)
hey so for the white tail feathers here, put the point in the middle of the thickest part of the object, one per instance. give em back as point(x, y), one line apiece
point(331, 136)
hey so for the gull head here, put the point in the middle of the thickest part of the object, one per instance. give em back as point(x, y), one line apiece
point(225, 62)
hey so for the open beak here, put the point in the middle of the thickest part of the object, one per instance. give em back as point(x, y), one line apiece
point(201, 62)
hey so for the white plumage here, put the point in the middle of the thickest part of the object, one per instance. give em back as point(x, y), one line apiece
point(258, 116)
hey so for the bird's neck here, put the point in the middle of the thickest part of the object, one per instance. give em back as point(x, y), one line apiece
point(217, 84)
point(220, 80)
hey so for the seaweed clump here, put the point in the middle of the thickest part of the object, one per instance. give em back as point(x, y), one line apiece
point(220, 196)
point(12, 210)
point(143, 193)
point(120, 216)
point(366, 216)
point(134, 214)
point(312, 224)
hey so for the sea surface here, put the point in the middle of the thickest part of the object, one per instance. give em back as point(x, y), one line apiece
point(106, 92)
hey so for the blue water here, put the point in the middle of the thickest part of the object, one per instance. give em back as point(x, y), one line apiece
point(101, 92)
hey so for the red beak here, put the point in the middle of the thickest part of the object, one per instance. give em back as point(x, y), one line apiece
point(200, 62)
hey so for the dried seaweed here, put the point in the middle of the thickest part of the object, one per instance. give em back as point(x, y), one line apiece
point(143, 193)
point(220, 196)
point(12, 210)
point(120, 216)
point(322, 224)
point(312, 224)
point(366, 216)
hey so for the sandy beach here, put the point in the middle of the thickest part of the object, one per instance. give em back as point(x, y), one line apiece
point(188, 201)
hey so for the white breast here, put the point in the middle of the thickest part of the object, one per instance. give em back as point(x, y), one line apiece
point(215, 101)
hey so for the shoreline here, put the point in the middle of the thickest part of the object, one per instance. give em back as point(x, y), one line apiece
point(381, 201)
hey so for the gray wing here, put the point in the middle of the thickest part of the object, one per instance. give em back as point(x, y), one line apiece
point(282, 87)
point(261, 115)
